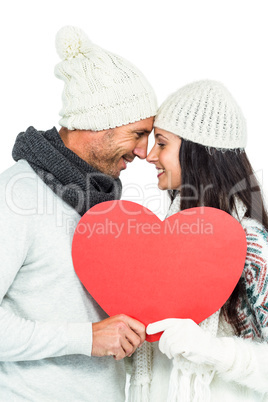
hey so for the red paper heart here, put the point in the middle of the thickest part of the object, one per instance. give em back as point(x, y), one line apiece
point(184, 267)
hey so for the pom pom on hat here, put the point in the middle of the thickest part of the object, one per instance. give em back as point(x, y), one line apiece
point(71, 42)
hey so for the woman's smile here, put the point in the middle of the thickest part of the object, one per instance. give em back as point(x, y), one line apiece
point(160, 171)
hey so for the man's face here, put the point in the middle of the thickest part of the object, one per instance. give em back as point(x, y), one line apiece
point(109, 151)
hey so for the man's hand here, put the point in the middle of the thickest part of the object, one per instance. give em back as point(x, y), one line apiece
point(117, 336)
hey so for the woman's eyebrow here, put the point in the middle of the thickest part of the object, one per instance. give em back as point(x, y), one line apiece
point(157, 135)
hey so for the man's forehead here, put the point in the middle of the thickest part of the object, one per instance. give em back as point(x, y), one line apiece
point(145, 125)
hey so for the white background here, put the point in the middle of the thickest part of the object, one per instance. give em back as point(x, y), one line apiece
point(172, 42)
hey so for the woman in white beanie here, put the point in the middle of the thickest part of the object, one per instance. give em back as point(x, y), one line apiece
point(200, 136)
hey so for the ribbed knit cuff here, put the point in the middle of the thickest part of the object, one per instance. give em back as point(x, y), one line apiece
point(79, 338)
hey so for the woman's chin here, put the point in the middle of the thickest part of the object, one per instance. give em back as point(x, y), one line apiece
point(162, 186)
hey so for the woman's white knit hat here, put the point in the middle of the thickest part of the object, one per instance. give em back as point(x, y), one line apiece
point(102, 90)
point(206, 113)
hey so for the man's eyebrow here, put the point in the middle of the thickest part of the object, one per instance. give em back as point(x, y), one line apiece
point(142, 131)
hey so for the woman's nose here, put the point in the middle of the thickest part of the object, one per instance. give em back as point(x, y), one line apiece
point(152, 156)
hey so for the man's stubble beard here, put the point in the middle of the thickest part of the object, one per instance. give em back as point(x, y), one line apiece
point(104, 162)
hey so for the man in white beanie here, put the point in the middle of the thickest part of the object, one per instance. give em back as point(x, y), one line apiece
point(56, 343)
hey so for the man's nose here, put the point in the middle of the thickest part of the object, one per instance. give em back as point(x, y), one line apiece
point(141, 150)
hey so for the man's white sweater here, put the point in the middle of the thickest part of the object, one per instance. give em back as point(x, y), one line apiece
point(45, 312)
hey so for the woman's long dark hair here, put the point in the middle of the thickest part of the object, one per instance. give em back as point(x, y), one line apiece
point(215, 178)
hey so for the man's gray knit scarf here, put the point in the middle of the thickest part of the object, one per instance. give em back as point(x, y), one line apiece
point(71, 178)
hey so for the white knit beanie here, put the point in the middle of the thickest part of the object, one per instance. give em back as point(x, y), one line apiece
point(204, 112)
point(102, 90)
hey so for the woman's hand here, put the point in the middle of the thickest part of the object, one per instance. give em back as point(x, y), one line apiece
point(184, 337)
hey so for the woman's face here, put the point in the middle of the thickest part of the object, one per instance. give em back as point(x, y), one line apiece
point(165, 156)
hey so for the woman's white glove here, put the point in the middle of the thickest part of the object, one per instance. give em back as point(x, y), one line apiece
point(184, 337)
